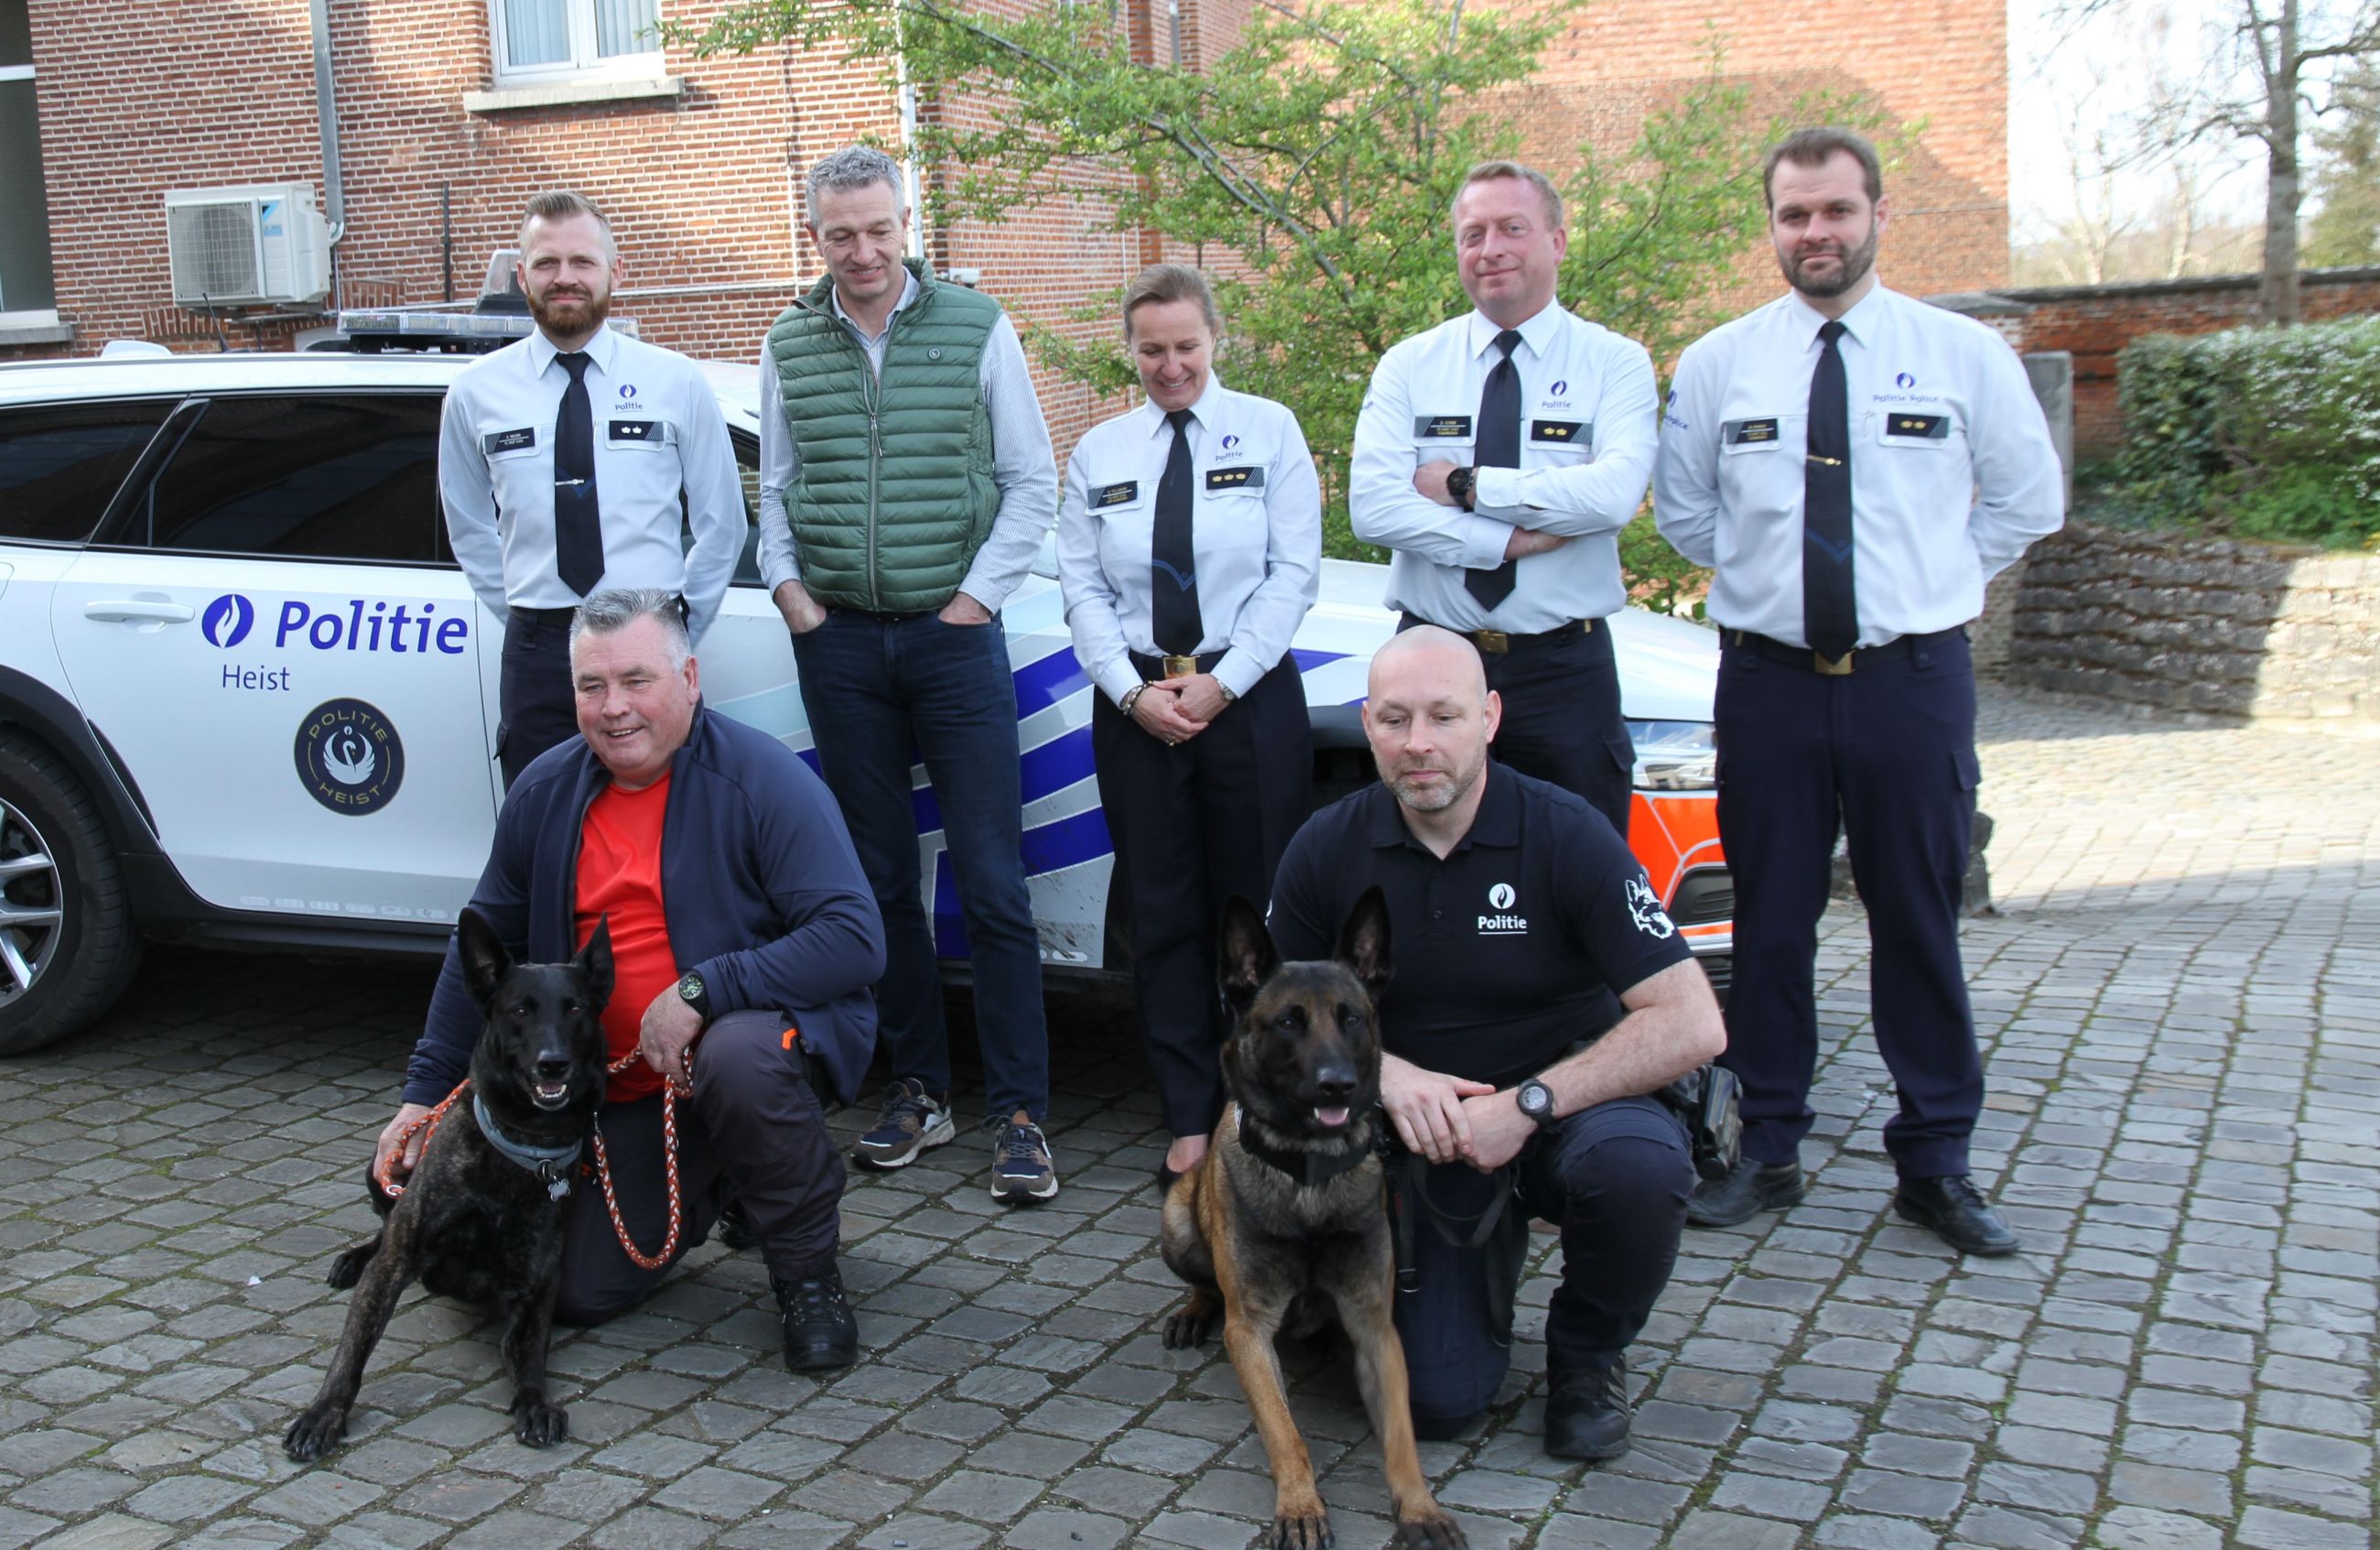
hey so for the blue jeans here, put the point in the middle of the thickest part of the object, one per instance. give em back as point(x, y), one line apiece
point(881, 694)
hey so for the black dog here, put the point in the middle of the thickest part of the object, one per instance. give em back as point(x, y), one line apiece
point(480, 1219)
point(1285, 1222)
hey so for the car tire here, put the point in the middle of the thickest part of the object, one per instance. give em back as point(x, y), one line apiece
point(68, 944)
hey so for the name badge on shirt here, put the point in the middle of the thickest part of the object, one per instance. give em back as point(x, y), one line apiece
point(508, 441)
point(1749, 432)
point(1568, 433)
point(1918, 427)
point(636, 430)
point(1116, 494)
point(1235, 479)
point(1442, 427)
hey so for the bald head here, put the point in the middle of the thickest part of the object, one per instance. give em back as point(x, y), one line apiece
point(1429, 717)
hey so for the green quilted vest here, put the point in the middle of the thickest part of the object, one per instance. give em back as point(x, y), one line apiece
point(894, 494)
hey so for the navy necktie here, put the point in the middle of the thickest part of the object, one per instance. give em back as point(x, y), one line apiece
point(1830, 605)
point(578, 518)
point(1498, 446)
point(1173, 569)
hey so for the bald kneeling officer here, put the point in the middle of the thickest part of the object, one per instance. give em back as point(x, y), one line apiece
point(1540, 996)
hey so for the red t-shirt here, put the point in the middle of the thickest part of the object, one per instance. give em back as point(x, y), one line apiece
point(620, 876)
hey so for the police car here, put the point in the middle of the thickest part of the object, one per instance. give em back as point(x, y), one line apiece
point(247, 697)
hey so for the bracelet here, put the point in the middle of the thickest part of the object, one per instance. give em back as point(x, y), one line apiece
point(1227, 695)
point(1131, 698)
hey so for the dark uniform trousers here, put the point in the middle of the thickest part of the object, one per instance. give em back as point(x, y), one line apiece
point(1889, 752)
point(1192, 826)
point(1561, 716)
point(536, 704)
point(1615, 1179)
point(752, 1132)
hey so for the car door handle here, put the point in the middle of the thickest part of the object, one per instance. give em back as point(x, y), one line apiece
point(126, 610)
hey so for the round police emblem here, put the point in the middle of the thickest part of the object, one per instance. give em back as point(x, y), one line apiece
point(1904, 380)
point(1501, 896)
point(227, 620)
point(349, 757)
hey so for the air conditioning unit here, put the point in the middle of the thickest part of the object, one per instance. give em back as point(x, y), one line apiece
point(258, 244)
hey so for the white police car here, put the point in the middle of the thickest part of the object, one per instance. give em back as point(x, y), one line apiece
point(247, 697)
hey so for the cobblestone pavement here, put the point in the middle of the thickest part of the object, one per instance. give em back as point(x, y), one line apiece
point(2182, 1000)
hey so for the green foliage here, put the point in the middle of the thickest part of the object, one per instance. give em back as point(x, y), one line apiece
point(1659, 577)
point(2345, 229)
point(2262, 432)
point(1313, 167)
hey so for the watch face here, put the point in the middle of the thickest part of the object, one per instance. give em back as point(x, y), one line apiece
point(1534, 1099)
point(690, 987)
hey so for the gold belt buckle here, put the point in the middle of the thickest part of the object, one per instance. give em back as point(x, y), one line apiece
point(1833, 668)
point(1181, 667)
point(1494, 642)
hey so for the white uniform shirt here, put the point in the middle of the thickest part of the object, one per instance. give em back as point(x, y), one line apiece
point(658, 433)
point(1588, 407)
point(1952, 468)
point(1256, 534)
point(1024, 468)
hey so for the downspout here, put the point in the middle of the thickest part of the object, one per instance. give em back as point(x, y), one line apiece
point(326, 111)
point(913, 188)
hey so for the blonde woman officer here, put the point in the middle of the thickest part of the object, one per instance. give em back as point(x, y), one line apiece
point(1189, 547)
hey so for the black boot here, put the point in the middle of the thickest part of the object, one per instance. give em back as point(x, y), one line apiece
point(820, 1330)
point(1749, 1189)
point(1586, 1410)
point(1956, 1213)
point(736, 1233)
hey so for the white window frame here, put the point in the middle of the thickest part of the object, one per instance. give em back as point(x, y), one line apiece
point(584, 64)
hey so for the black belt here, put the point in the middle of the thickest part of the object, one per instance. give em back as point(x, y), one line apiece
point(1153, 668)
point(542, 615)
point(877, 615)
point(1803, 656)
point(1502, 643)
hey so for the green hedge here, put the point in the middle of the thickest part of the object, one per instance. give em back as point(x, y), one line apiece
point(2264, 433)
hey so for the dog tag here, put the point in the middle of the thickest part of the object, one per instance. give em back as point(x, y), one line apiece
point(558, 1189)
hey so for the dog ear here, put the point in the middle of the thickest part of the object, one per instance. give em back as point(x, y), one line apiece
point(1246, 957)
point(485, 961)
point(594, 960)
point(1364, 941)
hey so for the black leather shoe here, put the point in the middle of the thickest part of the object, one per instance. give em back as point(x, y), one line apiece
point(1586, 1411)
point(820, 1330)
point(1165, 1178)
point(1749, 1189)
point(1956, 1213)
point(736, 1233)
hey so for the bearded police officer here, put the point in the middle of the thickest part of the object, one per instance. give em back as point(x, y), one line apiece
point(571, 461)
point(1539, 998)
point(1856, 465)
point(906, 483)
point(1498, 453)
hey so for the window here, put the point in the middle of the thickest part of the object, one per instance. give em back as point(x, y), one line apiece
point(25, 291)
point(331, 478)
point(549, 40)
point(60, 465)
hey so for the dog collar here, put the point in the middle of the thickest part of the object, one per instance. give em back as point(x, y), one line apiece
point(1311, 1169)
point(550, 1163)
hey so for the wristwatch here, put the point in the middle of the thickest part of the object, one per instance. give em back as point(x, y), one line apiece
point(1458, 484)
point(1536, 1100)
point(694, 994)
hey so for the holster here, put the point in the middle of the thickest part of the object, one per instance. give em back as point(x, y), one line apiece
point(1707, 1097)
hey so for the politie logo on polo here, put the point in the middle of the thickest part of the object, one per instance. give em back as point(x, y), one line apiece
point(227, 620)
point(1499, 899)
point(349, 757)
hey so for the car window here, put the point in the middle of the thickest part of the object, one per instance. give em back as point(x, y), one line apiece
point(351, 477)
point(60, 464)
point(748, 465)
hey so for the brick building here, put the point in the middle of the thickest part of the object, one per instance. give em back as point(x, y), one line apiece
point(447, 113)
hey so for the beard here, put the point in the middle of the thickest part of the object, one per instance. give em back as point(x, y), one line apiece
point(1854, 268)
point(571, 314)
point(1444, 794)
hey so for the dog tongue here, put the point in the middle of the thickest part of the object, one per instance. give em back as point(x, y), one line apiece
point(1331, 1119)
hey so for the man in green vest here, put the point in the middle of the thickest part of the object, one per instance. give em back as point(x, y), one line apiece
point(906, 483)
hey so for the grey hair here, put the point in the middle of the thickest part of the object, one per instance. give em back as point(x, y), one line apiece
point(612, 611)
point(1488, 171)
point(561, 204)
point(854, 166)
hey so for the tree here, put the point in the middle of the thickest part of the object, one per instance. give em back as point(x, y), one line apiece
point(1314, 162)
point(2346, 230)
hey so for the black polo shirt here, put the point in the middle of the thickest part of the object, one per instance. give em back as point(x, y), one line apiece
point(1503, 955)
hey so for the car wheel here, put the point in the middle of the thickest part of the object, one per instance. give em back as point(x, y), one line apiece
point(68, 946)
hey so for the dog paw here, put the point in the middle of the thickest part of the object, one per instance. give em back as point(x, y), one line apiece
point(539, 1424)
point(1429, 1528)
point(313, 1435)
point(1191, 1326)
point(348, 1268)
point(1303, 1526)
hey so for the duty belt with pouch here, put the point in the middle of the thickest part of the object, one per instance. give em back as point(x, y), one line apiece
point(1707, 1097)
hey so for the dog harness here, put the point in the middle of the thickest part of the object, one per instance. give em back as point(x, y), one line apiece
point(550, 1163)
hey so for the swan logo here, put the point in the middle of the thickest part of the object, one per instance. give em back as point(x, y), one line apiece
point(227, 620)
point(349, 757)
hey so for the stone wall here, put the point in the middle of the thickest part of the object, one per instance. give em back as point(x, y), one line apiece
point(2197, 624)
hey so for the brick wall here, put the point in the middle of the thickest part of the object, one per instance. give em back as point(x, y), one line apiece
point(2096, 321)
